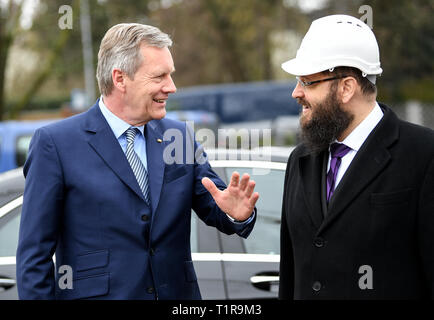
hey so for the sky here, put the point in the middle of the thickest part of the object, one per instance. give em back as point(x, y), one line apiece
point(305, 5)
point(29, 7)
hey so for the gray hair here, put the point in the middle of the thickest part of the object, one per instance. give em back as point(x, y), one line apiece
point(120, 48)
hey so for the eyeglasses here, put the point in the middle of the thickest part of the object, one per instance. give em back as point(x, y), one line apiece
point(309, 83)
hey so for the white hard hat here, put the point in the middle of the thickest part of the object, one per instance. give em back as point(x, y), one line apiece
point(333, 41)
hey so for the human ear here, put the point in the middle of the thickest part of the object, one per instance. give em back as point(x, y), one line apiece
point(118, 78)
point(347, 88)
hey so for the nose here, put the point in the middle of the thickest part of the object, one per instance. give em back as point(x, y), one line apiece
point(169, 86)
point(298, 91)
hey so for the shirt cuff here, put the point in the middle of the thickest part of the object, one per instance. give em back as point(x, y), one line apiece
point(252, 216)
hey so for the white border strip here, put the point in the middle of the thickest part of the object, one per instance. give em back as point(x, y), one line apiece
point(240, 257)
point(11, 206)
point(248, 164)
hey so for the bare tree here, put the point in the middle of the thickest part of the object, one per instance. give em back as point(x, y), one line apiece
point(9, 27)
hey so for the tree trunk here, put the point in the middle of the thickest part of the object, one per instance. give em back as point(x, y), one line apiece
point(5, 42)
point(8, 25)
point(43, 74)
point(230, 53)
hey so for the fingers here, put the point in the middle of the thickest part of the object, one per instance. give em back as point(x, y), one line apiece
point(244, 181)
point(210, 186)
point(253, 199)
point(234, 179)
point(245, 185)
point(250, 188)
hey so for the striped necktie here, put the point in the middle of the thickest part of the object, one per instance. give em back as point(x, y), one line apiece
point(136, 164)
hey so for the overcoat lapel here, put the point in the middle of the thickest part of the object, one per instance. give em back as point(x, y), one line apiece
point(310, 166)
point(370, 161)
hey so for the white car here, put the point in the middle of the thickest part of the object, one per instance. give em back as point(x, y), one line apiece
point(227, 267)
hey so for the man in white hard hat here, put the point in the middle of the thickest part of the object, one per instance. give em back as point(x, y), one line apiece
point(358, 203)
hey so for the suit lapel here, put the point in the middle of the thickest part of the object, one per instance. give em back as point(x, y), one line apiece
point(310, 166)
point(370, 161)
point(105, 144)
point(154, 152)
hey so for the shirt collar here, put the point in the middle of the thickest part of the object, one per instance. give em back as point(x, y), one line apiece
point(117, 125)
point(356, 138)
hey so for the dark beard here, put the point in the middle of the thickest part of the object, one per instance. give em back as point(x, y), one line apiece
point(327, 122)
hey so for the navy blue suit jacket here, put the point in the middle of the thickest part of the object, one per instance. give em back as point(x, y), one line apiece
point(83, 203)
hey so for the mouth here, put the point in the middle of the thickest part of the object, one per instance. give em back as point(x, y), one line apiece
point(306, 108)
point(159, 100)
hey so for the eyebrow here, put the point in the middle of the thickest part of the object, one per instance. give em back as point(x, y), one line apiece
point(160, 73)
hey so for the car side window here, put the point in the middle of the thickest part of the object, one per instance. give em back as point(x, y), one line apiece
point(9, 227)
point(22, 149)
point(265, 237)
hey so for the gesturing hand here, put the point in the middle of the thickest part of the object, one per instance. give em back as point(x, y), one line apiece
point(238, 199)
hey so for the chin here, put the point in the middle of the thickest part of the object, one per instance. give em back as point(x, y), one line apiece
point(305, 120)
point(159, 115)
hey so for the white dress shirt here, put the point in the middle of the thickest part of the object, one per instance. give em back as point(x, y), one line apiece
point(355, 140)
point(119, 127)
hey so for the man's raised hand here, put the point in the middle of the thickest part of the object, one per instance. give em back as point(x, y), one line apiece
point(238, 199)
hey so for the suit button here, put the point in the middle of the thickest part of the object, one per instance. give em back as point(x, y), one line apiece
point(152, 251)
point(316, 286)
point(150, 290)
point(319, 242)
point(145, 217)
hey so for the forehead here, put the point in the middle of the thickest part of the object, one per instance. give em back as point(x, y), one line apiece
point(157, 58)
point(311, 76)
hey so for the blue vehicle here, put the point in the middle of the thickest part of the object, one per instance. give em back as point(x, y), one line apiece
point(200, 119)
point(15, 138)
point(252, 105)
point(239, 102)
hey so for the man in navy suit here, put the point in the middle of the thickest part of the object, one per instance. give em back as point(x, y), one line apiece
point(102, 195)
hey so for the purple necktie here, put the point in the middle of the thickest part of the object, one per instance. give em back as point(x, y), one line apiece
point(337, 150)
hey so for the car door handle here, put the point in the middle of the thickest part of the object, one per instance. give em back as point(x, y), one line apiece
point(267, 281)
point(6, 283)
point(262, 279)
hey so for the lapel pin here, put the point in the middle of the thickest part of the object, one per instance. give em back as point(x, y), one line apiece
point(159, 140)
